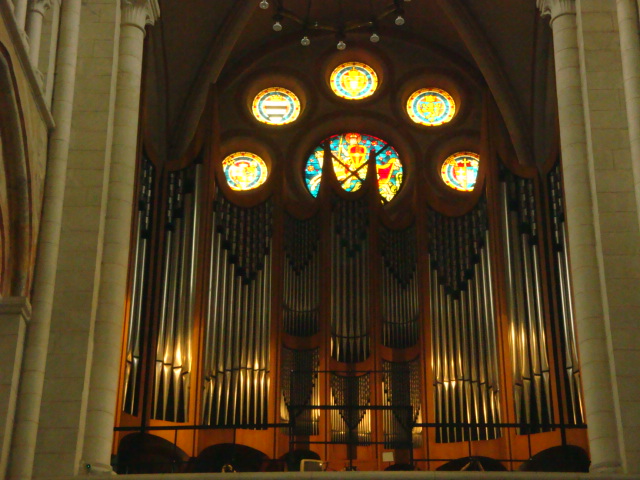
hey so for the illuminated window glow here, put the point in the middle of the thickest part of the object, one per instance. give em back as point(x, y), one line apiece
point(431, 107)
point(354, 81)
point(460, 171)
point(244, 171)
point(276, 106)
point(350, 153)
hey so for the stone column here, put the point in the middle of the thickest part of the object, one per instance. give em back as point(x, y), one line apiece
point(20, 12)
point(31, 386)
point(630, 48)
point(586, 259)
point(37, 10)
point(136, 14)
point(14, 315)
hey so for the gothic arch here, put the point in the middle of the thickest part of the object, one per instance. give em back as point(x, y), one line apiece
point(16, 171)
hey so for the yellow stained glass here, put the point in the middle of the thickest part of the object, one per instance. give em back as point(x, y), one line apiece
point(431, 107)
point(276, 106)
point(460, 171)
point(244, 171)
point(354, 81)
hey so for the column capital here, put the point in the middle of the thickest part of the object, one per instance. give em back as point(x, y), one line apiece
point(139, 13)
point(39, 6)
point(16, 306)
point(556, 8)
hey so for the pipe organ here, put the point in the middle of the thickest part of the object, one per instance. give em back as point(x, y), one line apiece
point(238, 322)
point(346, 327)
point(350, 340)
point(174, 350)
point(565, 320)
point(400, 285)
point(528, 337)
point(463, 330)
point(139, 282)
point(301, 291)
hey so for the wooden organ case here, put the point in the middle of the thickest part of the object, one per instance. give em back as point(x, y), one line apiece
point(438, 326)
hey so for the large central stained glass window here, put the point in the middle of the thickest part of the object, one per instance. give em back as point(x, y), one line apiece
point(350, 154)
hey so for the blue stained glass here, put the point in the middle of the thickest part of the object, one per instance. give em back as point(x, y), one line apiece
point(350, 153)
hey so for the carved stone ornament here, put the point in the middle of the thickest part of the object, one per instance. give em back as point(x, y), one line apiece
point(556, 8)
point(40, 6)
point(139, 13)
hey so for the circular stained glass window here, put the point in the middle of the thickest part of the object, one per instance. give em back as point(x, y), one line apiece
point(244, 171)
point(431, 107)
point(276, 106)
point(460, 171)
point(350, 154)
point(354, 81)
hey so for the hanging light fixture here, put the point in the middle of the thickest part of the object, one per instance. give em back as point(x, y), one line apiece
point(341, 27)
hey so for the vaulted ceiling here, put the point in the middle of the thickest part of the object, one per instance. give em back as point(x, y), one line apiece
point(196, 41)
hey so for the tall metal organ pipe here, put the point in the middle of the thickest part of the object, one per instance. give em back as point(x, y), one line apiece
point(573, 402)
point(531, 372)
point(399, 295)
point(464, 353)
point(174, 356)
point(300, 389)
point(350, 329)
point(238, 320)
point(301, 291)
point(139, 283)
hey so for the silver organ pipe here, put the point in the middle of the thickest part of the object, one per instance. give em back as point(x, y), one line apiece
point(238, 319)
point(351, 415)
point(350, 341)
point(399, 295)
point(300, 390)
point(301, 290)
point(566, 321)
point(401, 399)
point(531, 373)
point(139, 283)
point(175, 329)
point(464, 353)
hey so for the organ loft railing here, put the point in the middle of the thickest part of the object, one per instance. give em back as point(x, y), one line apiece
point(347, 327)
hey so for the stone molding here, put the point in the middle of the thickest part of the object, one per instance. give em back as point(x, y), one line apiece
point(16, 306)
point(39, 6)
point(139, 13)
point(556, 8)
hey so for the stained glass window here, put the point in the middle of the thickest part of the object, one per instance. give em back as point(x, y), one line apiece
point(354, 81)
point(350, 153)
point(431, 107)
point(244, 171)
point(276, 106)
point(460, 171)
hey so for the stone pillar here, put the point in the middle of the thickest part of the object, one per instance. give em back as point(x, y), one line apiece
point(136, 14)
point(630, 49)
point(586, 257)
point(20, 12)
point(28, 414)
point(14, 315)
point(37, 10)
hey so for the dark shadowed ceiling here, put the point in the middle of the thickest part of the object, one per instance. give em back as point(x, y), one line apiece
point(196, 41)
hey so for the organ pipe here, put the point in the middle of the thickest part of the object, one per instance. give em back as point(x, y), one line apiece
point(464, 353)
point(571, 369)
point(173, 359)
point(399, 295)
point(301, 291)
point(351, 415)
point(139, 282)
point(528, 342)
point(350, 341)
point(300, 390)
point(401, 397)
point(238, 320)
